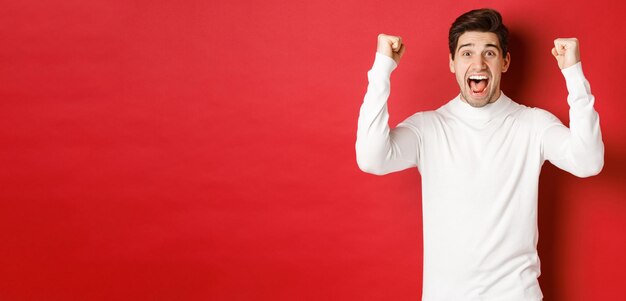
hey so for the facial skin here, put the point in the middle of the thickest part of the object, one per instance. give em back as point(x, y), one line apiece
point(479, 55)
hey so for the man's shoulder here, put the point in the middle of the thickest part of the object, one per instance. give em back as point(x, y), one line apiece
point(421, 121)
point(534, 117)
point(427, 118)
point(533, 113)
point(424, 116)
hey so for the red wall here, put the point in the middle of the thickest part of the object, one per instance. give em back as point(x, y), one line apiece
point(204, 150)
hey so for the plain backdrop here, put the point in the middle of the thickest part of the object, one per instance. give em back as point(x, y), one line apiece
point(204, 150)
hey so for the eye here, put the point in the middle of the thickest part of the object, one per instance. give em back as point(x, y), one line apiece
point(466, 53)
point(490, 53)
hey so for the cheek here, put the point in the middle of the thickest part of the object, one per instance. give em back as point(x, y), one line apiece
point(458, 66)
point(460, 79)
point(460, 72)
point(496, 68)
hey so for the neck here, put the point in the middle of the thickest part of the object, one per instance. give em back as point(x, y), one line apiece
point(465, 110)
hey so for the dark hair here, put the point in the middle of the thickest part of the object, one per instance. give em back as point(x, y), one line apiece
point(483, 20)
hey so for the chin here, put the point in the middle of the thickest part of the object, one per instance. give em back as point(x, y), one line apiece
point(477, 103)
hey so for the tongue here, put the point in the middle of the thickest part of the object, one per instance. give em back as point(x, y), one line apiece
point(478, 86)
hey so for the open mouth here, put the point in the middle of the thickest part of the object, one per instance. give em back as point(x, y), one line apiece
point(478, 84)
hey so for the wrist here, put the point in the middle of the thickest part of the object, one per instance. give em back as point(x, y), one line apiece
point(384, 63)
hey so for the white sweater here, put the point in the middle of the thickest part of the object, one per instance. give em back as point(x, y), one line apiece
point(480, 170)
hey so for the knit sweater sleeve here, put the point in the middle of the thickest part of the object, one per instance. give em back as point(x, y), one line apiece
point(379, 149)
point(578, 149)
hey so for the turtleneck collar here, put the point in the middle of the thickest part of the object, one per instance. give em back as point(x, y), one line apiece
point(463, 110)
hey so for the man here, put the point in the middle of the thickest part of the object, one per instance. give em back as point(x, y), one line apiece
point(480, 156)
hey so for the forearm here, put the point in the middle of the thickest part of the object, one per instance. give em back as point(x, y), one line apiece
point(380, 150)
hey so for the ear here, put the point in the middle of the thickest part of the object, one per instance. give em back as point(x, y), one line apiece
point(451, 63)
point(507, 62)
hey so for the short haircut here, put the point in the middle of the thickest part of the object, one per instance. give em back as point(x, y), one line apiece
point(482, 20)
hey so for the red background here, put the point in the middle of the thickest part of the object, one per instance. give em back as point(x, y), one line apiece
point(204, 150)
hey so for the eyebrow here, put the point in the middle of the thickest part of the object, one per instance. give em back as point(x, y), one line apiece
point(486, 45)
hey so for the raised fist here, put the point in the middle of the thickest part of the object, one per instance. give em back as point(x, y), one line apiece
point(566, 52)
point(391, 46)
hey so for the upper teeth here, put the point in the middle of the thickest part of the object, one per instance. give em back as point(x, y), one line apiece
point(478, 77)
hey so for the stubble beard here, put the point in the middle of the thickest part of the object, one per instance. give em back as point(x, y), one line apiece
point(490, 99)
point(492, 96)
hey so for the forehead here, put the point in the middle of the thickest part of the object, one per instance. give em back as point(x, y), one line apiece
point(478, 39)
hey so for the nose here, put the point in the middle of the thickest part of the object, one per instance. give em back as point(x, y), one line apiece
point(478, 61)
